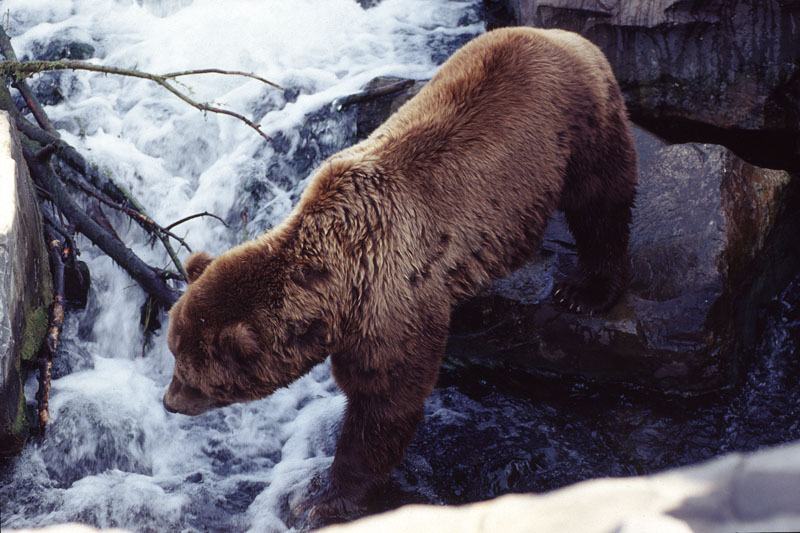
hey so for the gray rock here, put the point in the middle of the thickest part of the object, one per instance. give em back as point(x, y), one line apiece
point(731, 65)
point(52, 88)
point(25, 284)
point(755, 492)
point(372, 112)
point(60, 48)
point(701, 220)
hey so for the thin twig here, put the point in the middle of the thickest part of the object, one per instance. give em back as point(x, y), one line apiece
point(58, 228)
point(146, 221)
point(163, 234)
point(196, 215)
point(213, 109)
point(220, 71)
point(21, 68)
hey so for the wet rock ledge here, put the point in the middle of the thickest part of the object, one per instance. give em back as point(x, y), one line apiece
point(712, 235)
point(702, 221)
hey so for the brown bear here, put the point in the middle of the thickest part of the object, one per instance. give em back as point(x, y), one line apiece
point(451, 192)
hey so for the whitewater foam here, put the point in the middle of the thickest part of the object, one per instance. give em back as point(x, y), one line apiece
point(112, 455)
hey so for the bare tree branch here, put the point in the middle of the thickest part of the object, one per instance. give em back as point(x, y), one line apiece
point(21, 69)
point(48, 348)
point(220, 71)
point(41, 143)
point(145, 221)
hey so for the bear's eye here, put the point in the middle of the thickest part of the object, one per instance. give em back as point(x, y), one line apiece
point(308, 334)
point(184, 371)
point(205, 350)
point(192, 356)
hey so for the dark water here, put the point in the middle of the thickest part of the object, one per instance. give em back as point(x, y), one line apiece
point(482, 438)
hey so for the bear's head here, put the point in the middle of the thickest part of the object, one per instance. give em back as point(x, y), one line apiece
point(235, 334)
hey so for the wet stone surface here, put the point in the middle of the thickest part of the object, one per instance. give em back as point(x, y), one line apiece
point(700, 235)
point(484, 436)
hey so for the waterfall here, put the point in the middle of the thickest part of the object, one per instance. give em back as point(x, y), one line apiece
point(112, 455)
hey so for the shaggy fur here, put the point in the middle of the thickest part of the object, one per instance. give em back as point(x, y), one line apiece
point(453, 191)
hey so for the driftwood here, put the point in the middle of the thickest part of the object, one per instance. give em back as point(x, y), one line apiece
point(371, 94)
point(48, 349)
point(54, 164)
point(151, 281)
point(34, 142)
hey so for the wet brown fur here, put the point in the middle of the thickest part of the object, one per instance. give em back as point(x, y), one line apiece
point(451, 192)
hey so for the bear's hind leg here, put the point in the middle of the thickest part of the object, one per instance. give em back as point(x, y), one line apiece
point(597, 198)
point(601, 232)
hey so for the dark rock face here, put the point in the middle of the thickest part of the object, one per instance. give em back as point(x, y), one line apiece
point(372, 112)
point(725, 65)
point(58, 49)
point(700, 228)
point(52, 87)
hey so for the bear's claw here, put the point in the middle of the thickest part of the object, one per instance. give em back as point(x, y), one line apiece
point(324, 505)
point(580, 293)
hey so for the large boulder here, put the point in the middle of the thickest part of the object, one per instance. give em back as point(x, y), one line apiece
point(756, 492)
point(701, 222)
point(727, 68)
point(25, 285)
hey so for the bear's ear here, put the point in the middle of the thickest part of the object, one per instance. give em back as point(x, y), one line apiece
point(240, 340)
point(196, 264)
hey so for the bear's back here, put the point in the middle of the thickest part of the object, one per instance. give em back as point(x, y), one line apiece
point(516, 99)
point(481, 155)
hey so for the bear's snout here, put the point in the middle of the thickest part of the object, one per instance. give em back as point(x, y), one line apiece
point(187, 400)
point(167, 406)
point(170, 396)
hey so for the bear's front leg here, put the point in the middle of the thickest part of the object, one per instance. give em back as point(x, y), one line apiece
point(374, 438)
point(386, 393)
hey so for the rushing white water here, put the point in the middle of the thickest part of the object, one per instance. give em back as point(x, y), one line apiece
point(112, 455)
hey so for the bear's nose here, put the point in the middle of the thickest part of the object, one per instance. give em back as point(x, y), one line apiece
point(167, 406)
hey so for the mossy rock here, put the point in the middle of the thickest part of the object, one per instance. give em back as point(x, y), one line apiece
point(26, 291)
